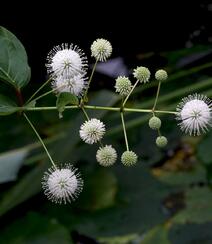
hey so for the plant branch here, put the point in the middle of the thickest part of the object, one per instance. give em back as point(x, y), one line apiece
point(124, 129)
point(39, 89)
point(130, 92)
point(40, 139)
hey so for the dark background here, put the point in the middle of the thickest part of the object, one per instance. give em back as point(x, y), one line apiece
point(132, 27)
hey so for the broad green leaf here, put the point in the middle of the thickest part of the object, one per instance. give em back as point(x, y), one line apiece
point(125, 239)
point(10, 163)
point(191, 233)
point(7, 106)
point(101, 189)
point(138, 206)
point(64, 99)
point(158, 234)
point(181, 178)
point(14, 67)
point(27, 187)
point(35, 229)
point(198, 206)
point(204, 151)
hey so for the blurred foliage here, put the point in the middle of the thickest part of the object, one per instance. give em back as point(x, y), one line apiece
point(166, 198)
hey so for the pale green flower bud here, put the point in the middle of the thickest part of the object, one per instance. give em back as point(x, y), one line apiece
point(155, 123)
point(161, 141)
point(129, 158)
point(123, 85)
point(161, 75)
point(142, 74)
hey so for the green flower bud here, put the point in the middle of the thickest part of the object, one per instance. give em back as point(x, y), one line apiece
point(161, 75)
point(129, 158)
point(142, 74)
point(106, 156)
point(123, 85)
point(161, 141)
point(155, 123)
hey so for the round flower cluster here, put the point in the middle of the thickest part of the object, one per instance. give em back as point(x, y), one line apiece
point(62, 185)
point(92, 131)
point(155, 123)
point(129, 158)
point(106, 156)
point(101, 49)
point(67, 66)
point(142, 74)
point(161, 75)
point(123, 85)
point(195, 114)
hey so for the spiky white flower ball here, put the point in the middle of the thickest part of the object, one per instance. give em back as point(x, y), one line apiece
point(92, 131)
point(194, 114)
point(66, 60)
point(129, 158)
point(62, 185)
point(161, 75)
point(75, 85)
point(106, 156)
point(123, 85)
point(101, 49)
point(142, 74)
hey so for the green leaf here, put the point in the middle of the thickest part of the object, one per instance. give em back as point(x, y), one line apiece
point(191, 234)
point(204, 151)
point(7, 106)
point(34, 229)
point(137, 207)
point(198, 208)
point(101, 188)
point(27, 187)
point(14, 67)
point(158, 234)
point(181, 178)
point(64, 99)
point(10, 163)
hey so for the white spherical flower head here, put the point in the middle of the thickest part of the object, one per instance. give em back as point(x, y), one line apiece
point(75, 85)
point(92, 131)
point(66, 60)
point(106, 156)
point(62, 185)
point(101, 49)
point(123, 85)
point(194, 113)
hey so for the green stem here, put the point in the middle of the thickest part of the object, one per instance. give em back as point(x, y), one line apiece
point(90, 79)
point(115, 109)
point(156, 98)
point(124, 129)
point(40, 139)
point(85, 113)
point(130, 92)
point(33, 95)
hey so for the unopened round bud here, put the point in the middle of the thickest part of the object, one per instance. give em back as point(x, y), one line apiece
point(161, 75)
point(129, 158)
point(161, 141)
point(155, 123)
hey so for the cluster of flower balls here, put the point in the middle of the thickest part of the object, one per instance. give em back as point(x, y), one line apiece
point(67, 66)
